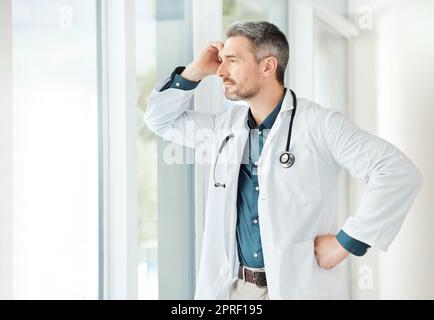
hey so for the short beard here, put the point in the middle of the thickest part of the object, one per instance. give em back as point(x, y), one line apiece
point(243, 95)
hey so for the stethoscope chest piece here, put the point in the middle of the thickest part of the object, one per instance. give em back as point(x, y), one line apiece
point(286, 159)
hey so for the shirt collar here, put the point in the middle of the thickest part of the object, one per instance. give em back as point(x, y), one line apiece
point(269, 120)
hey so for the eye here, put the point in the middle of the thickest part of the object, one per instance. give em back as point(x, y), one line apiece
point(232, 60)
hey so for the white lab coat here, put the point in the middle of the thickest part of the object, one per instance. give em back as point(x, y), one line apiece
point(295, 204)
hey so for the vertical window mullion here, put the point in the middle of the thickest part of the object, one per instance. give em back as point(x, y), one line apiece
point(119, 92)
point(6, 152)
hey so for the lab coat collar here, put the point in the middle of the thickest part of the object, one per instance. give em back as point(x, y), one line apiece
point(288, 103)
point(269, 120)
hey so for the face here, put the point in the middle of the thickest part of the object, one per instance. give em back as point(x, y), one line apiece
point(239, 70)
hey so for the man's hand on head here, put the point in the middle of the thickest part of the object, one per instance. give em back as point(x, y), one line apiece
point(329, 252)
point(206, 63)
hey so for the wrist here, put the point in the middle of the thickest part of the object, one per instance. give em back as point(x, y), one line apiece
point(342, 250)
point(191, 73)
point(352, 245)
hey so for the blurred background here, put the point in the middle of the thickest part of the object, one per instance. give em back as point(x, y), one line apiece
point(88, 208)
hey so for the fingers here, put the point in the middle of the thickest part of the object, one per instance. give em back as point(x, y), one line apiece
point(325, 265)
point(216, 44)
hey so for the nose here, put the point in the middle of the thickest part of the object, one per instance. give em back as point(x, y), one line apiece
point(222, 71)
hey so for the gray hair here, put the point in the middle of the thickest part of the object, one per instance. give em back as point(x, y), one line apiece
point(266, 39)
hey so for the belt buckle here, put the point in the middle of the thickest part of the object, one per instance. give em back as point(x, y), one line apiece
point(254, 278)
point(244, 273)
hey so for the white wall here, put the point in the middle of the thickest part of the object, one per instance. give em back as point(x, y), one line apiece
point(6, 136)
point(392, 96)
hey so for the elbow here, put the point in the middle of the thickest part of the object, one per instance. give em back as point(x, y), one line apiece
point(148, 120)
point(419, 180)
point(415, 178)
point(152, 120)
point(156, 116)
point(156, 122)
point(147, 116)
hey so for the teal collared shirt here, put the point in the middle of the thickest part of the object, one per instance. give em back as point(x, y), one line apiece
point(248, 234)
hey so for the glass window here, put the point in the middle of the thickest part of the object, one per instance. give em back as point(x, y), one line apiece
point(256, 10)
point(330, 87)
point(166, 192)
point(147, 275)
point(55, 149)
point(330, 61)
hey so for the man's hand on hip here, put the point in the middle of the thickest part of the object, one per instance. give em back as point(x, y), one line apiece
point(329, 252)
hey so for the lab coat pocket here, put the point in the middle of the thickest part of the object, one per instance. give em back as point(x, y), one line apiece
point(300, 183)
point(316, 282)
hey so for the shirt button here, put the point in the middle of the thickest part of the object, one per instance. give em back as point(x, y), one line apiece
point(256, 163)
point(255, 255)
point(257, 188)
point(177, 84)
point(260, 132)
point(255, 221)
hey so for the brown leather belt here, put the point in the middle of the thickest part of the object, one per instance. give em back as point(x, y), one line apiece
point(256, 277)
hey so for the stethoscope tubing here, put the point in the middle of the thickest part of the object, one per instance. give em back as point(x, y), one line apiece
point(290, 158)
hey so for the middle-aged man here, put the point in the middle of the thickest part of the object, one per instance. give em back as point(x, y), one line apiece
point(271, 227)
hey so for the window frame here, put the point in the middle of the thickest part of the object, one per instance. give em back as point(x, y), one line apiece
point(118, 162)
point(6, 141)
point(119, 252)
point(117, 157)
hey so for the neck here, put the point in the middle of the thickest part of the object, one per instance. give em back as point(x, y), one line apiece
point(265, 101)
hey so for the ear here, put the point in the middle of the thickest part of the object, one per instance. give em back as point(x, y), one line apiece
point(269, 66)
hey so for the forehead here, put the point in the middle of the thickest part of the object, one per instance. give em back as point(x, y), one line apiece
point(237, 46)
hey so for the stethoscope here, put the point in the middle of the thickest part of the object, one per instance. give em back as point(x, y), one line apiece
point(286, 158)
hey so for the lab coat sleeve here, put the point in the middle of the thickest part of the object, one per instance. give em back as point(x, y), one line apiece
point(167, 116)
point(393, 181)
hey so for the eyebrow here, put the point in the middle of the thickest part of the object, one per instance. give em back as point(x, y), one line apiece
point(229, 56)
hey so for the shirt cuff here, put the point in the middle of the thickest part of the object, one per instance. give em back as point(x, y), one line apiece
point(178, 82)
point(356, 247)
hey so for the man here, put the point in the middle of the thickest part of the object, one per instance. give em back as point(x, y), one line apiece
point(271, 231)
